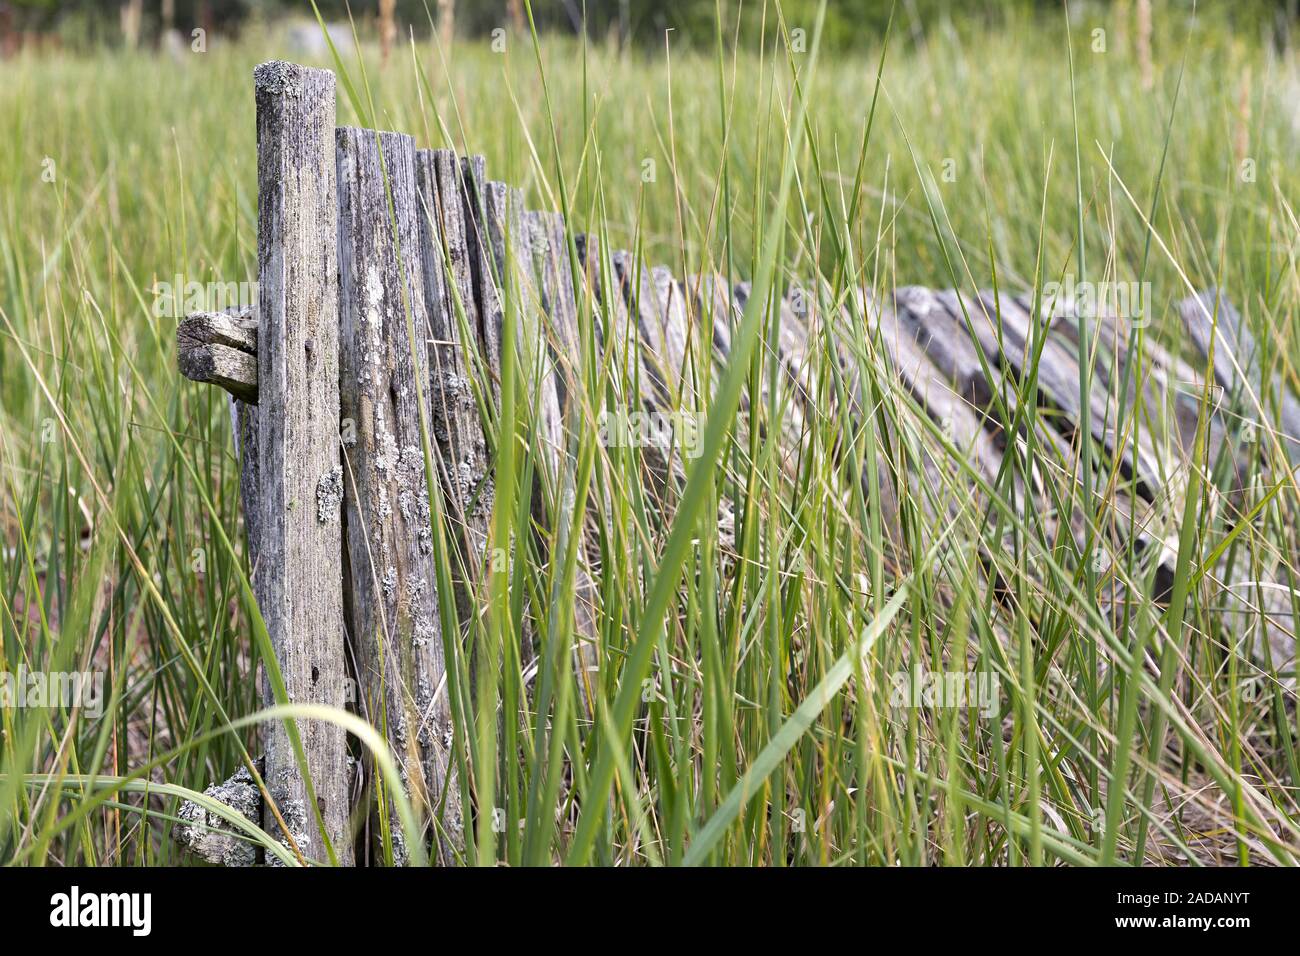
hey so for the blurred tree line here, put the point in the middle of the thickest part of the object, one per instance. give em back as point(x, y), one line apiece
point(848, 22)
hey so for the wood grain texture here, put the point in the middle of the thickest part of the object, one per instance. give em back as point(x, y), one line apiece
point(234, 328)
point(244, 428)
point(220, 365)
point(648, 322)
point(396, 630)
point(550, 246)
point(518, 287)
point(785, 373)
point(299, 584)
point(1239, 368)
point(451, 298)
point(676, 358)
point(959, 422)
point(1003, 329)
point(220, 348)
point(510, 301)
point(630, 353)
point(475, 191)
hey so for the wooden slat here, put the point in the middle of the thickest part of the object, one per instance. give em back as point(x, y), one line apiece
point(1003, 330)
point(931, 388)
point(1239, 365)
point(478, 195)
point(220, 348)
point(641, 296)
point(220, 365)
point(549, 243)
point(952, 350)
point(299, 583)
point(550, 255)
point(628, 367)
point(450, 297)
point(671, 303)
point(518, 287)
point(617, 333)
point(393, 609)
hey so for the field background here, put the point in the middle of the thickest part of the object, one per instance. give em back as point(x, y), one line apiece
point(119, 169)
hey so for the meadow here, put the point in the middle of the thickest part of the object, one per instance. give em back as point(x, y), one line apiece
point(742, 711)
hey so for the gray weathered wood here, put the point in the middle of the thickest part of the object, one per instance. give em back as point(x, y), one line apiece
point(550, 252)
point(510, 299)
point(1003, 330)
point(475, 191)
point(550, 246)
point(393, 609)
point(518, 289)
point(676, 336)
point(941, 336)
point(224, 367)
point(785, 337)
point(959, 422)
point(624, 364)
point(220, 348)
point(647, 313)
point(299, 584)
point(211, 837)
point(452, 300)
point(244, 427)
point(1239, 368)
point(837, 382)
point(236, 329)
point(616, 332)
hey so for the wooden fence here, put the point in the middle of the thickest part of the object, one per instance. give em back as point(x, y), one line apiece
point(383, 270)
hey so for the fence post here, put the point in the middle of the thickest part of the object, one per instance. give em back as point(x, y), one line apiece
point(299, 580)
point(394, 601)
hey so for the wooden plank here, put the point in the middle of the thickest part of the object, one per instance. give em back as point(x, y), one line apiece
point(244, 428)
point(1003, 329)
point(518, 289)
point(785, 339)
point(299, 584)
point(1168, 393)
point(220, 348)
point(236, 329)
point(824, 331)
point(616, 331)
point(947, 345)
point(450, 293)
point(476, 192)
point(550, 252)
point(220, 365)
point(712, 297)
point(951, 349)
point(676, 336)
point(549, 244)
point(931, 388)
point(1239, 368)
point(647, 314)
point(627, 363)
point(953, 352)
point(393, 610)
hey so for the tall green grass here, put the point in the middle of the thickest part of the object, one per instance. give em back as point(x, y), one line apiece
point(741, 713)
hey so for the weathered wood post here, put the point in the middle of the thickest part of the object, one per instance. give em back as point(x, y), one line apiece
point(299, 578)
point(394, 601)
point(450, 292)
